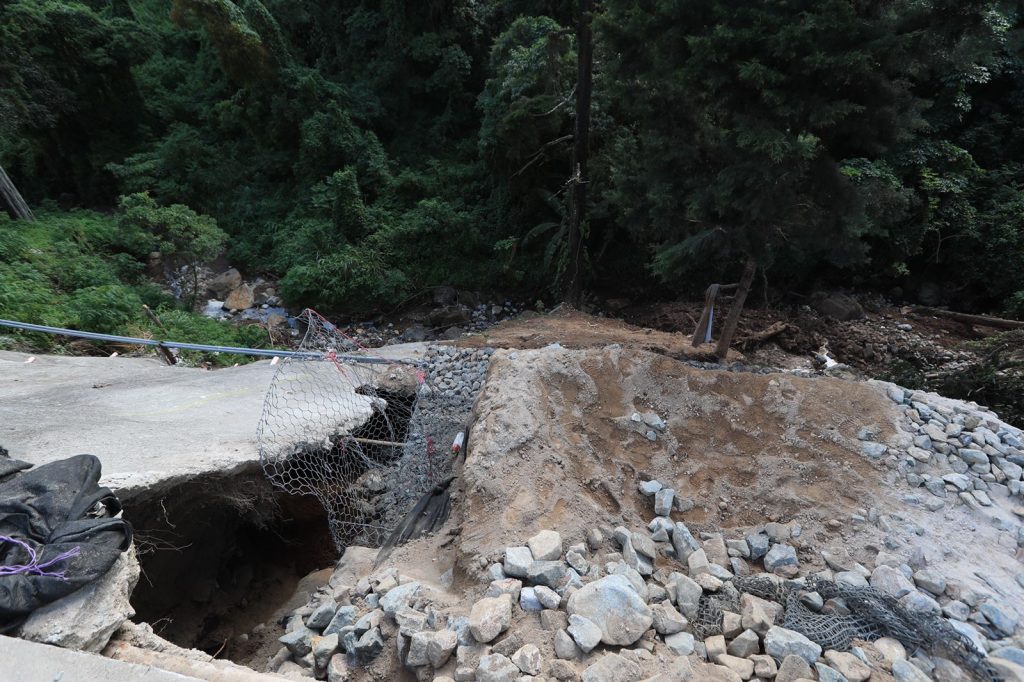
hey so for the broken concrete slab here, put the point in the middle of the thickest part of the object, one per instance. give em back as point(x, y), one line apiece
point(146, 421)
point(41, 663)
point(84, 620)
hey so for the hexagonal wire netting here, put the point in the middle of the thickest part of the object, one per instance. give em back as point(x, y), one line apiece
point(335, 426)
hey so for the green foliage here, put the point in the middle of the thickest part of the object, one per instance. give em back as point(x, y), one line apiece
point(363, 151)
point(176, 231)
point(105, 309)
point(66, 270)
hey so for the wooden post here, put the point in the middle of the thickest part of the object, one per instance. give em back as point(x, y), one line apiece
point(737, 307)
point(13, 202)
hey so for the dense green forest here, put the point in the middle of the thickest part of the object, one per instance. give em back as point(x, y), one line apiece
point(364, 150)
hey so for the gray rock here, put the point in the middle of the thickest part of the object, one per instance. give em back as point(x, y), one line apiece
point(85, 619)
point(644, 545)
point(551, 574)
point(369, 645)
point(553, 620)
point(298, 641)
point(891, 581)
point(489, 617)
point(612, 668)
point(793, 668)
point(517, 561)
point(780, 642)
point(971, 633)
point(851, 578)
point(872, 449)
point(687, 595)
point(398, 597)
point(615, 607)
point(441, 646)
point(683, 541)
point(547, 597)
point(759, 544)
point(1001, 618)
point(758, 614)
point(343, 617)
point(527, 659)
point(578, 562)
point(545, 546)
point(509, 586)
point(972, 456)
point(496, 668)
point(585, 632)
point(667, 620)
point(920, 602)
point(528, 600)
point(663, 501)
point(738, 548)
point(322, 615)
point(957, 610)
point(650, 487)
point(324, 649)
point(1014, 654)
point(745, 645)
point(905, 671)
point(337, 669)
point(781, 559)
point(681, 643)
point(828, 674)
point(698, 563)
point(848, 665)
point(565, 646)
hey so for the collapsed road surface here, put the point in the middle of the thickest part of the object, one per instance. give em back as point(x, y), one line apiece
point(148, 422)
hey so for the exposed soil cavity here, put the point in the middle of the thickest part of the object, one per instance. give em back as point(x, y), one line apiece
point(222, 555)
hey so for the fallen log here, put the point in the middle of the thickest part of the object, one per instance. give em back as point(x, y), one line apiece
point(12, 200)
point(983, 320)
point(763, 335)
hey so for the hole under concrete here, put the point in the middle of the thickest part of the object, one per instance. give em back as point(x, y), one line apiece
point(224, 558)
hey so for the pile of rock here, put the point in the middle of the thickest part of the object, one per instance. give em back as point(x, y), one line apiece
point(958, 453)
point(610, 592)
point(234, 295)
point(347, 625)
point(626, 605)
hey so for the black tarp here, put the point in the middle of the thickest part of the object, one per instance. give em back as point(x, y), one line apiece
point(55, 508)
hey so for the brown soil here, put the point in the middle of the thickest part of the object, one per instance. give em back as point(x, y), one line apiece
point(549, 449)
point(572, 329)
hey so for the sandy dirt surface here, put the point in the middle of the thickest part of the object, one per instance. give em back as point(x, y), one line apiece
point(554, 446)
point(572, 329)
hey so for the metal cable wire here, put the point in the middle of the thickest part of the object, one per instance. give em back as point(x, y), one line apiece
point(258, 352)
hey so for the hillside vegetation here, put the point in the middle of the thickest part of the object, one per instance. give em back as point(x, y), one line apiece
point(363, 151)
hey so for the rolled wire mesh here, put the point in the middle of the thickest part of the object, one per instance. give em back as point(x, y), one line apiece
point(872, 615)
point(335, 427)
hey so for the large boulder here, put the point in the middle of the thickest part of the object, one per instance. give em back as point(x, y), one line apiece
point(613, 605)
point(489, 617)
point(224, 283)
point(839, 307)
point(86, 619)
point(241, 298)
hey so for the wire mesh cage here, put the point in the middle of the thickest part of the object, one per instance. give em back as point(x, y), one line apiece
point(335, 426)
point(868, 614)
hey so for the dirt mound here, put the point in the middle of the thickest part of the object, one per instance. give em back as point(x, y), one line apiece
point(573, 329)
point(556, 446)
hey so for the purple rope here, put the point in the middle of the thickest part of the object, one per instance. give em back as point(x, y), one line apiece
point(34, 567)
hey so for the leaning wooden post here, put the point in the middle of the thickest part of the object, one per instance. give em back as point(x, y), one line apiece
point(13, 202)
point(737, 307)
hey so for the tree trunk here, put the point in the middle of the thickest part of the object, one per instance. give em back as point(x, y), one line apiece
point(737, 307)
point(13, 203)
point(581, 152)
point(981, 320)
